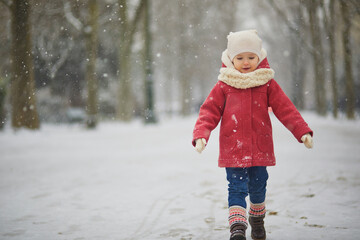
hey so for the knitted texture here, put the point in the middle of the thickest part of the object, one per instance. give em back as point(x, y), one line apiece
point(237, 215)
point(257, 210)
point(244, 41)
point(236, 79)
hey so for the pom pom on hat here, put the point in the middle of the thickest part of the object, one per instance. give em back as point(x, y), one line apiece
point(244, 41)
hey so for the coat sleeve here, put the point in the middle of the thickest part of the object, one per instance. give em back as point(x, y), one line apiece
point(286, 111)
point(210, 113)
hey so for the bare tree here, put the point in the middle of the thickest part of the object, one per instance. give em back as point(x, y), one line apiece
point(329, 23)
point(189, 46)
point(184, 72)
point(349, 79)
point(165, 44)
point(297, 29)
point(3, 88)
point(89, 29)
point(282, 14)
point(127, 30)
point(315, 48)
point(318, 56)
point(23, 97)
point(5, 43)
point(50, 46)
point(330, 26)
point(149, 114)
point(298, 58)
point(91, 32)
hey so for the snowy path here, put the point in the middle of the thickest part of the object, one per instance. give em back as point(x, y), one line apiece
point(129, 181)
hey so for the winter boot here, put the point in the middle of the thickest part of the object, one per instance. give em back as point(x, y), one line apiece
point(238, 223)
point(257, 228)
point(238, 231)
point(256, 220)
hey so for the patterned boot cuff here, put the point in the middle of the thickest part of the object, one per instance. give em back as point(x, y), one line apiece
point(237, 215)
point(257, 210)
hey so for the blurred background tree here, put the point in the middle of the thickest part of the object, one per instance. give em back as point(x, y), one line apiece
point(91, 60)
point(89, 30)
point(23, 96)
point(3, 90)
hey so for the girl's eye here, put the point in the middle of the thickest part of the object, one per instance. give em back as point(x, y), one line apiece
point(239, 58)
point(251, 58)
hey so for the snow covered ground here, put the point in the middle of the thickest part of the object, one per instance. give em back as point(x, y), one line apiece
point(129, 181)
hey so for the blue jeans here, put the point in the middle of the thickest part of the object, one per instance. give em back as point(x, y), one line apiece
point(246, 181)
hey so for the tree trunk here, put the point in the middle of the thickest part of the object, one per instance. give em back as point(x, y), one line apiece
point(297, 57)
point(169, 93)
point(3, 88)
point(126, 102)
point(23, 99)
point(91, 32)
point(349, 79)
point(184, 72)
point(149, 114)
point(298, 74)
point(318, 58)
point(331, 35)
point(127, 30)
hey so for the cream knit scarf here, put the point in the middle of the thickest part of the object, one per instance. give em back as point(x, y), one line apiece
point(236, 79)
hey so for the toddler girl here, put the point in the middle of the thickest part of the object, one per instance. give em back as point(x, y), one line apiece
point(241, 99)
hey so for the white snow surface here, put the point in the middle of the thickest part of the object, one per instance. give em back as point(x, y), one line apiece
point(130, 181)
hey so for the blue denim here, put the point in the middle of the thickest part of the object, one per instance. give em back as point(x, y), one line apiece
point(246, 181)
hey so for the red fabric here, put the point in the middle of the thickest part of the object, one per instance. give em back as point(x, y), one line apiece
point(245, 131)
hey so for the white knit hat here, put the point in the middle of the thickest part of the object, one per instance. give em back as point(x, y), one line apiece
point(244, 41)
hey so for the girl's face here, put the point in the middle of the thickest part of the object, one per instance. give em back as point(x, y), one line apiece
point(246, 62)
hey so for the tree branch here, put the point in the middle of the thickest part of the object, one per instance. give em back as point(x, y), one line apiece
point(104, 18)
point(77, 24)
point(136, 19)
point(290, 26)
point(326, 18)
point(355, 5)
point(53, 64)
point(6, 3)
point(63, 57)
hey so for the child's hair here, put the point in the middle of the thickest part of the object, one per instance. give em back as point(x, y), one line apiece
point(244, 41)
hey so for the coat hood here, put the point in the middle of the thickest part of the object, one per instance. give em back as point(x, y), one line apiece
point(234, 78)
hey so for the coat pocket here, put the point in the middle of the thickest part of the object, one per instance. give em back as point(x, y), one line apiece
point(230, 144)
point(264, 142)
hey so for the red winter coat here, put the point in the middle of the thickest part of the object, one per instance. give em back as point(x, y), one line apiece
point(245, 131)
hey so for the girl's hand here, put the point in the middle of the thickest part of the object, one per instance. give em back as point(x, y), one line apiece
point(307, 140)
point(200, 144)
